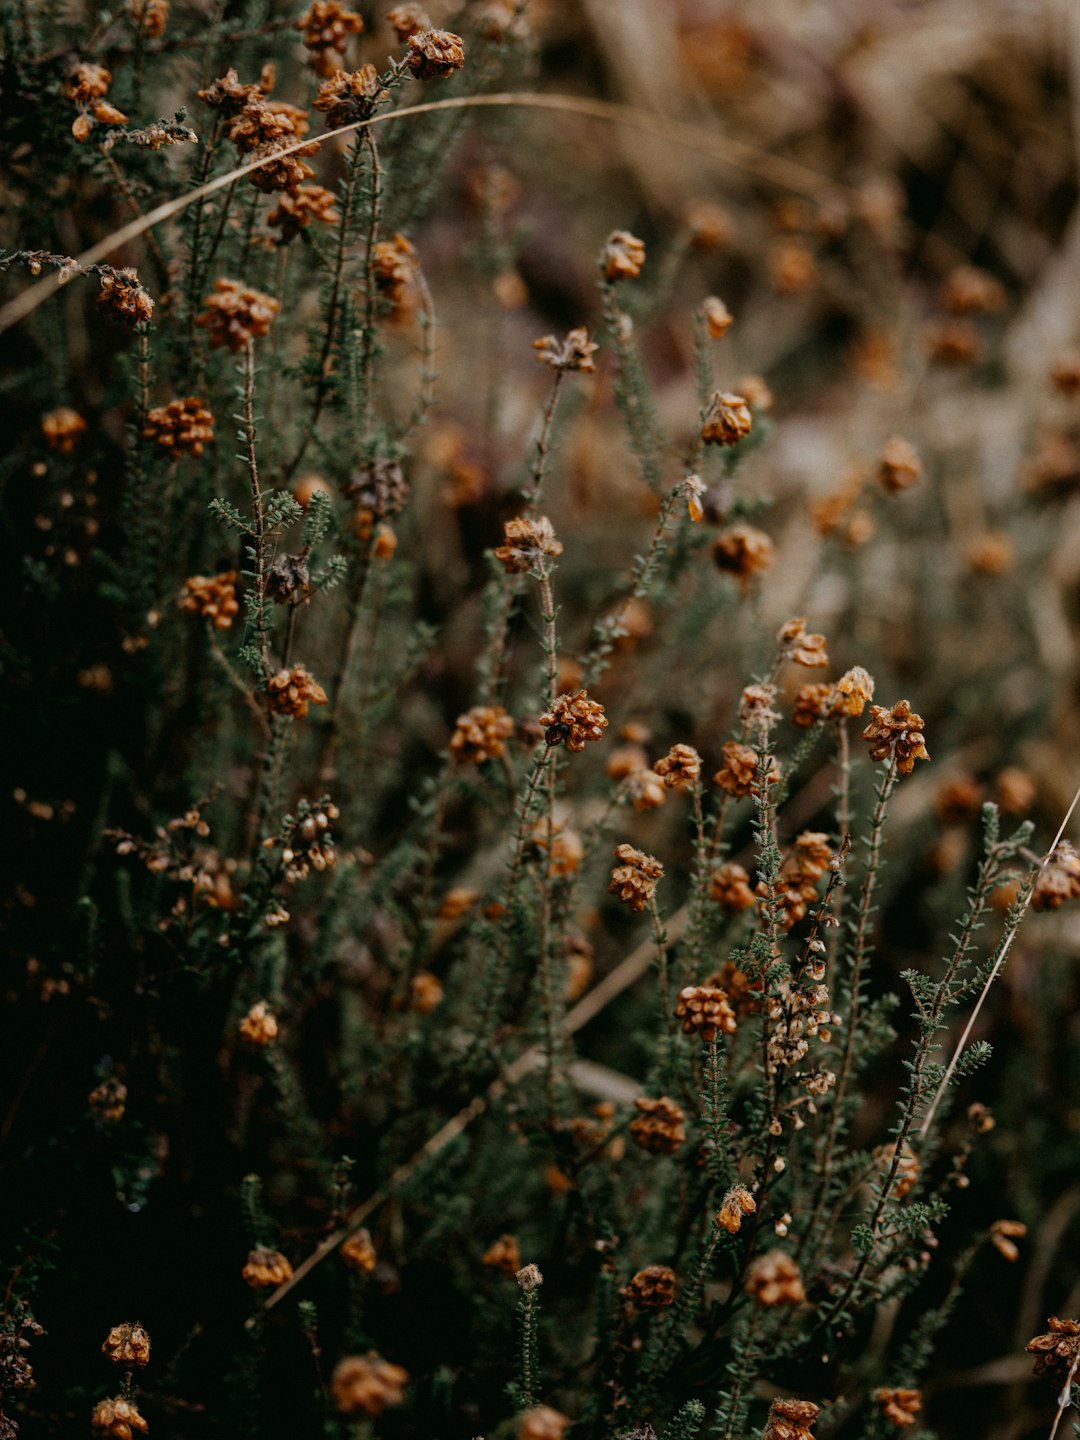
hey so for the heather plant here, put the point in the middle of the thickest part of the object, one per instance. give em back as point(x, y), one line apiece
point(484, 960)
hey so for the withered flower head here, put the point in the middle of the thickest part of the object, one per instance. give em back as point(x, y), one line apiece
point(899, 467)
point(1059, 878)
point(367, 1385)
point(727, 420)
point(234, 315)
point(117, 1419)
point(288, 580)
point(660, 1125)
point(349, 96)
point(307, 205)
point(737, 1203)
point(623, 256)
point(574, 353)
point(481, 734)
point(182, 427)
point(1065, 373)
point(634, 878)
point(652, 1288)
point(896, 734)
point(435, 54)
point(791, 1420)
point(900, 1407)
point(709, 226)
point(393, 268)
point(1057, 1350)
point(743, 551)
point(503, 1254)
point(266, 1269)
point(729, 886)
point(738, 775)
point(854, 691)
point(811, 704)
point(573, 720)
point(645, 789)
point(124, 298)
point(326, 27)
point(407, 20)
point(800, 646)
point(213, 597)
point(358, 1252)
point(528, 544)
point(529, 1278)
point(705, 1009)
point(718, 318)
point(680, 768)
point(290, 692)
point(259, 1027)
point(229, 97)
point(62, 428)
point(774, 1279)
point(127, 1345)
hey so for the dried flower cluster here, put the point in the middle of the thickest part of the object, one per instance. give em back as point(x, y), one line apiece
point(235, 316)
point(573, 721)
point(896, 734)
point(527, 545)
point(212, 597)
point(634, 878)
point(659, 1126)
point(182, 427)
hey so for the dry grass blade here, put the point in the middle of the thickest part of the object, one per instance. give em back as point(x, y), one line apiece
point(786, 174)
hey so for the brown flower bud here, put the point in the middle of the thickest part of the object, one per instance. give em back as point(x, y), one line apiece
point(728, 420)
point(367, 1385)
point(652, 1288)
point(127, 1345)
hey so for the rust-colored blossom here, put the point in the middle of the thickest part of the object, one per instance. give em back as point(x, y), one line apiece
point(791, 1420)
point(117, 1419)
point(182, 427)
point(743, 551)
point(634, 878)
point(503, 1254)
point(213, 597)
point(358, 1252)
point(652, 1288)
point(348, 96)
point(1059, 1349)
point(623, 256)
point(706, 1011)
point(528, 544)
point(235, 315)
point(1059, 878)
point(735, 1206)
point(660, 1125)
point(800, 646)
point(727, 420)
point(435, 54)
point(573, 720)
point(290, 692)
point(325, 28)
point(62, 428)
point(680, 768)
point(266, 1269)
point(367, 1385)
point(574, 353)
point(774, 1279)
point(899, 1407)
point(896, 734)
